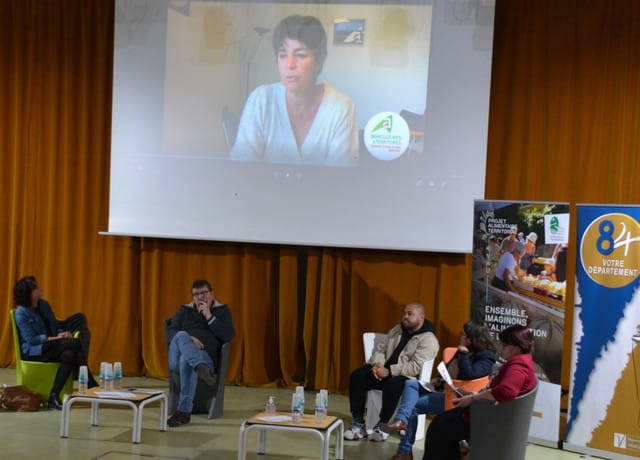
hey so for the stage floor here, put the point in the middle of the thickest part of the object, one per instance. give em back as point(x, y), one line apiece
point(33, 435)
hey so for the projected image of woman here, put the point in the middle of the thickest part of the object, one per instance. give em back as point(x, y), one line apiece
point(298, 120)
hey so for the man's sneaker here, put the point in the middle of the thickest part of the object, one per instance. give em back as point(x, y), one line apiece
point(356, 431)
point(378, 435)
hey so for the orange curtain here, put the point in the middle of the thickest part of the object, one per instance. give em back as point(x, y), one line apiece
point(564, 124)
point(56, 59)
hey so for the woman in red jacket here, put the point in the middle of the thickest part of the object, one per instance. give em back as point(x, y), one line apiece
point(516, 377)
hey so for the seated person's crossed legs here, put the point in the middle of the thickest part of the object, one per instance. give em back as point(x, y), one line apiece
point(190, 363)
point(195, 334)
point(415, 400)
point(361, 381)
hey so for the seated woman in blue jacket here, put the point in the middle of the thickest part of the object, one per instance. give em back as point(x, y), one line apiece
point(474, 358)
point(41, 338)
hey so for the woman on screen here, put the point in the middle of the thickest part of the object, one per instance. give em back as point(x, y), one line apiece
point(298, 120)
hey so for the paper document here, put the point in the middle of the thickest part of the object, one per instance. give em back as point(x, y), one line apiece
point(444, 373)
point(276, 418)
point(427, 386)
point(115, 394)
point(146, 391)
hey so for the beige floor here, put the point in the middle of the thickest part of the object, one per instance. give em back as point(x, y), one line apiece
point(36, 435)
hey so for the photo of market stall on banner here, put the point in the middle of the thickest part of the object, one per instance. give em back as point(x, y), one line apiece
point(519, 277)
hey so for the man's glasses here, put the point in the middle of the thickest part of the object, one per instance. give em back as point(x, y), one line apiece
point(198, 294)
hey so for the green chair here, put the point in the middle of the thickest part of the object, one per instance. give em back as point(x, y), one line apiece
point(36, 375)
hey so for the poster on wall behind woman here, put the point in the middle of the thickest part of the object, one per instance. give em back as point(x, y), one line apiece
point(519, 277)
point(604, 396)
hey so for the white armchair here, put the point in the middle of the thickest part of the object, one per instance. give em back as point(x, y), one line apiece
point(374, 397)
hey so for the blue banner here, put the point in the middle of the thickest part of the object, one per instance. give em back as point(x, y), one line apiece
point(604, 399)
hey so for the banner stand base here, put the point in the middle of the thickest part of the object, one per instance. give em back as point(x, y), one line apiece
point(545, 442)
point(597, 452)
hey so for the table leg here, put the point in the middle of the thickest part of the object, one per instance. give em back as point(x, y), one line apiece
point(137, 424)
point(163, 414)
point(95, 419)
point(262, 440)
point(64, 418)
point(340, 441)
point(338, 428)
point(137, 416)
point(242, 442)
point(324, 446)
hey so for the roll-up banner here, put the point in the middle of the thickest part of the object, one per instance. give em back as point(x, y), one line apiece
point(604, 393)
point(529, 289)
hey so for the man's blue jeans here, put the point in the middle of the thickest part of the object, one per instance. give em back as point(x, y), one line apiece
point(416, 400)
point(184, 356)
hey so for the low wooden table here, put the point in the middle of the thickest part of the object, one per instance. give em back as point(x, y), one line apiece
point(307, 425)
point(137, 401)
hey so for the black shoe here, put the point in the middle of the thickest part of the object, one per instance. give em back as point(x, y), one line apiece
point(54, 402)
point(179, 418)
point(205, 374)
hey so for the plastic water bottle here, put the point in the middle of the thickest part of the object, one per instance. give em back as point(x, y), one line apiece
point(300, 393)
point(101, 379)
point(108, 377)
point(325, 396)
point(270, 408)
point(83, 380)
point(117, 376)
point(321, 410)
point(296, 408)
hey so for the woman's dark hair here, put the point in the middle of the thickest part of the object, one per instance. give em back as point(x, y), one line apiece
point(479, 336)
point(518, 336)
point(22, 291)
point(305, 29)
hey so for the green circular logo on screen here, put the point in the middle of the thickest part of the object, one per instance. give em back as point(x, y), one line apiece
point(386, 136)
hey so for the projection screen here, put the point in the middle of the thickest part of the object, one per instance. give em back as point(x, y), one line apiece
point(211, 140)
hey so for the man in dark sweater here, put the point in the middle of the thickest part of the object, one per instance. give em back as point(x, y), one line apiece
point(195, 335)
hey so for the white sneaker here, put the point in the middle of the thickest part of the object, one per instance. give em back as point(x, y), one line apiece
point(378, 435)
point(355, 432)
